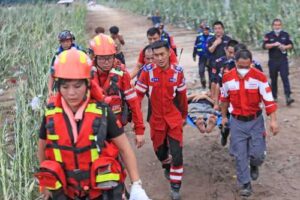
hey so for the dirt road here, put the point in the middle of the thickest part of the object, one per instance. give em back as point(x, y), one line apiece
point(209, 170)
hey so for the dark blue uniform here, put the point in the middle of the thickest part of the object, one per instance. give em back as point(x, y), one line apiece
point(219, 51)
point(200, 49)
point(278, 61)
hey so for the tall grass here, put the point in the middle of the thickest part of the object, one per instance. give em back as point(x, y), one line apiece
point(247, 20)
point(28, 40)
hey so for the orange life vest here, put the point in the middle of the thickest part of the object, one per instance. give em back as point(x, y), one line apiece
point(89, 164)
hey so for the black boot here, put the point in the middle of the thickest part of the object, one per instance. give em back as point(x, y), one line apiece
point(254, 172)
point(224, 135)
point(175, 188)
point(246, 190)
point(289, 100)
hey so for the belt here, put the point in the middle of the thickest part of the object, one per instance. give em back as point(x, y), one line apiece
point(247, 118)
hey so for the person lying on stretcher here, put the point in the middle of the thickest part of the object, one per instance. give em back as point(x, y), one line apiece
point(201, 113)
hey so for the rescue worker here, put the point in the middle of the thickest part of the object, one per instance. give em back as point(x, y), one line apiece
point(278, 42)
point(243, 89)
point(200, 49)
point(218, 68)
point(148, 58)
point(115, 81)
point(66, 40)
point(165, 36)
point(75, 154)
point(153, 35)
point(165, 84)
point(222, 66)
point(119, 41)
point(216, 45)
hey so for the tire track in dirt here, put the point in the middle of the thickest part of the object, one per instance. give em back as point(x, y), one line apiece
point(209, 170)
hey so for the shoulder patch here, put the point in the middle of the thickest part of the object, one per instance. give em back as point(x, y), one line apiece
point(178, 68)
point(148, 67)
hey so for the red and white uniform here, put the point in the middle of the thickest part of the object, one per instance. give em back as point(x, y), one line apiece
point(246, 94)
point(128, 94)
point(167, 94)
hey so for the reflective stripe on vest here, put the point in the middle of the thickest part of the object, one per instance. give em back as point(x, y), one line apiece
point(92, 108)
point(94, 151)
point(53, 111)
point(52, 137)
point(175, 76)
point(107, 177)
point(57, 155)
point(118, 72)
point(57, 186)
point(94, 154)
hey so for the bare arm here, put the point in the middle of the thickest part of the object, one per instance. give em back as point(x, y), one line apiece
point(271, 45)
point(287, 47)
point(128, 156)
point(273, 123)
point(224, 109)
point(50, 85)
point(214, 45)
point(41, 150)
point(121, 39)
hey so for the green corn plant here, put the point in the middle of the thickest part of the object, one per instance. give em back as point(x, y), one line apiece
point(246, 20)
point(28, 41)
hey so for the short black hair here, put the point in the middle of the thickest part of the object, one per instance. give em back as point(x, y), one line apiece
point(243, 54)
point(276, 20)
point(160, 44)
point(231, 43)
point(218, 23)
point(114, 30)
point(239, 47)
point(152, 31)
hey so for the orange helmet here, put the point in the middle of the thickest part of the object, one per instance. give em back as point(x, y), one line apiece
point(72, 64)
point(103, 45)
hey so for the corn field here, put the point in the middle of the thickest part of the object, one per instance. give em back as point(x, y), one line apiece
point(246, 20)
point(28, 40)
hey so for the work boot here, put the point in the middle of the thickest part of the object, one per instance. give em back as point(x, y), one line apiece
point(289, 100)
point(224, 136)
point(167, 173)
point(254, 172)
point(246, 190)
point(175, 195)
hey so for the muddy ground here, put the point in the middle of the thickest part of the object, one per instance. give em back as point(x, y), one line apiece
point(209, 170)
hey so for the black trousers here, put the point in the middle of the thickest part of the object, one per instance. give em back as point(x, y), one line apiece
point(279, 66)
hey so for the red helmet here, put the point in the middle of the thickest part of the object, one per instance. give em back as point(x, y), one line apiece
point(72, 64)
point(103, 45)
